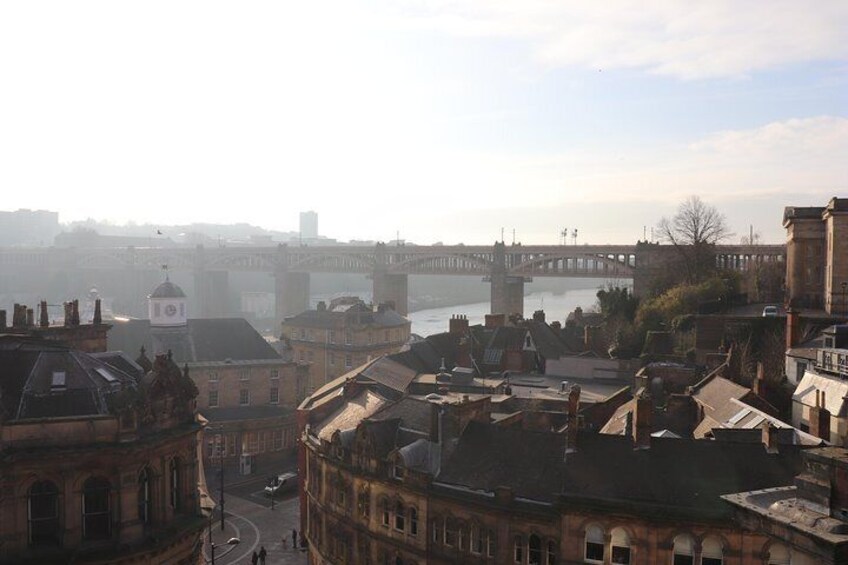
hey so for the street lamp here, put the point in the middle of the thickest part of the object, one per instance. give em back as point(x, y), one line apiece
point(231, 541)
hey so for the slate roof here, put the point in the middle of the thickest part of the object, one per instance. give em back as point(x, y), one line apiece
point(321, 319)
point(389, 373)
point(27, 390)
point(673, 476)
point(202, 340)
point(413, 412)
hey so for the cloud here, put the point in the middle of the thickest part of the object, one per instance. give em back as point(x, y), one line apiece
point(688, 40)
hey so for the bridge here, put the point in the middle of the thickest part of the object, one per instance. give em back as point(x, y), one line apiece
point(506, 267)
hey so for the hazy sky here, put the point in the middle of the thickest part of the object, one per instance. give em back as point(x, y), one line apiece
point(445, 120)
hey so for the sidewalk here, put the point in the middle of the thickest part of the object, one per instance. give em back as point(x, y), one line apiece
point(270, 465)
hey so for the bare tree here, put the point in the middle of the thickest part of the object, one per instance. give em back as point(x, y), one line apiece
point(693, 230)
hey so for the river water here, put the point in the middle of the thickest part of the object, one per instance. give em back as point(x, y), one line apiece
point(556, 306)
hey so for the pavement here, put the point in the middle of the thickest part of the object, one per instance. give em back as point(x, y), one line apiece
point(249, 517)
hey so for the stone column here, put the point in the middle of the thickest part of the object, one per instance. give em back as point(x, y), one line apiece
point(291, 289)
point(393, 288)
point(507, 291)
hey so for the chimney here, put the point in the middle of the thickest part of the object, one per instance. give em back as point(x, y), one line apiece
point(458, 324)
point(17, 320)
point(760, 381)
point(75, 318)
point(322, 306)
point(2, 320)
point(556, 327)
point(30, 317)
point(642, 425)
point(539, 316)
point(43, 321)
point(793, 327)
point(820, 418)
point(98, 317)
point(495, 321)
point(573, 424)
point(769, 437)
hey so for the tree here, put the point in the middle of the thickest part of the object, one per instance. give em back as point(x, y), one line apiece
point(693, 230)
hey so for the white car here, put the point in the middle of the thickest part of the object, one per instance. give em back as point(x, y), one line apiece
point(281, 483)
point(770, 312)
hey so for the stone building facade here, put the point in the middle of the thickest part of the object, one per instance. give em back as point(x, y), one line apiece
point(246, 391)
point(336, 338)
point(443, 479)
point(99, 460)
point(817, 256)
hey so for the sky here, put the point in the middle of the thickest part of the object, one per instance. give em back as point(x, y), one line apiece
point(441, 120)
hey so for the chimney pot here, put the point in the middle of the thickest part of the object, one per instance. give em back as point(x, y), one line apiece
point(30, 317)
point(44, 321)
point(2, 320)
point(98, 317)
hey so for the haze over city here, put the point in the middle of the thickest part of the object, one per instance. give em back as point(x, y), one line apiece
point(444, 121)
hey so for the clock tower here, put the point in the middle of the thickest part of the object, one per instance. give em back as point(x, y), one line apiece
point(167, 306)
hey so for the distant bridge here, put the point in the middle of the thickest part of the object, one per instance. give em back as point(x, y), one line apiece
point(506, 267)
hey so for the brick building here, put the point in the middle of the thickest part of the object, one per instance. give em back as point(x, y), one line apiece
point(336, 338)
point(247, 392)
point(99, 459)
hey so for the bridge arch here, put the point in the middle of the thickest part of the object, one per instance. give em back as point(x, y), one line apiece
point(441, 263)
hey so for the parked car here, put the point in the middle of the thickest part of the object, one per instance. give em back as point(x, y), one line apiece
point(281, 483)
point(770, 312)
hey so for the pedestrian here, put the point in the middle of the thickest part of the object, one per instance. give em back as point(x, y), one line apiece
point(254, 559)
point(294, 539)
point(262, 555)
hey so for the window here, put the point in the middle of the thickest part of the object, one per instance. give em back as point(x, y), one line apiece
point(363, 503)
point(310, 356)
point(244, 375)
point(778, 555)
point(43, 514)
point(332, 360)
point(145, 498)
point(683, 550)
point(274, 395)
point(348, 337)
point(398, 470)
point(475, 539)
point(275, 374)
point(434, 530)
point(384, 508)
point(348, 361)
point(711, 552)
point(332, 336)
point(400, 516)
point(58, 381)
point(594, 545)
point(450, 532)
point(302, 356)
point(244, 397)
point(460, 537)
point(518, 550)
point(620, 547)
point(491, 543)
point(534, 550)
point(175, 493)
point(278, 440)
point(213, 376)
point(386, 335)
point(552, 553)
point(213, 399)
point(96, 519)
point(413, 522)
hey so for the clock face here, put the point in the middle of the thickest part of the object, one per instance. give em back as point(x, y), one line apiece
point(170, 310)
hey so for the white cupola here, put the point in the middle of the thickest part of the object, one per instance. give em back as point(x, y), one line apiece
point(167, 306)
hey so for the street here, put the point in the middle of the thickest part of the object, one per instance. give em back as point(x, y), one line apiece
point(249, 517)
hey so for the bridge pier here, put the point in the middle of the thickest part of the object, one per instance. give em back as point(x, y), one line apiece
point(392, 288)
point(507, 294)
point(291, 294)
point(212, 291)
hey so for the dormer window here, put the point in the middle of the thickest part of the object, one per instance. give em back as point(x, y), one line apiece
point(398, 470)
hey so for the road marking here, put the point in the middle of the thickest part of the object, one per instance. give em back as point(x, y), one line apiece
point(255, 543)
point(230, 523)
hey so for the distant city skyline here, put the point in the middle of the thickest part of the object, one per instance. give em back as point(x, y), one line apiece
point(440, 121)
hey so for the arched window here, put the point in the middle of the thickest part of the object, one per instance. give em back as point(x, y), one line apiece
point(450, 532)
point(434, 530)
point(552, 553)
point(594, 545)
point(534, 550)
point(711, 552)
point(475, 539)
point(778, 555)
point(491, 543)
point(400, 516)
point(384, 512)
point(96, 519)
point(413, 521)
point(43, 511)
point(175, 477)
point(518, 549)
point(460, 536)
point(145, 497)
point(684, 550)
point(364, 503)
point(620, 549)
